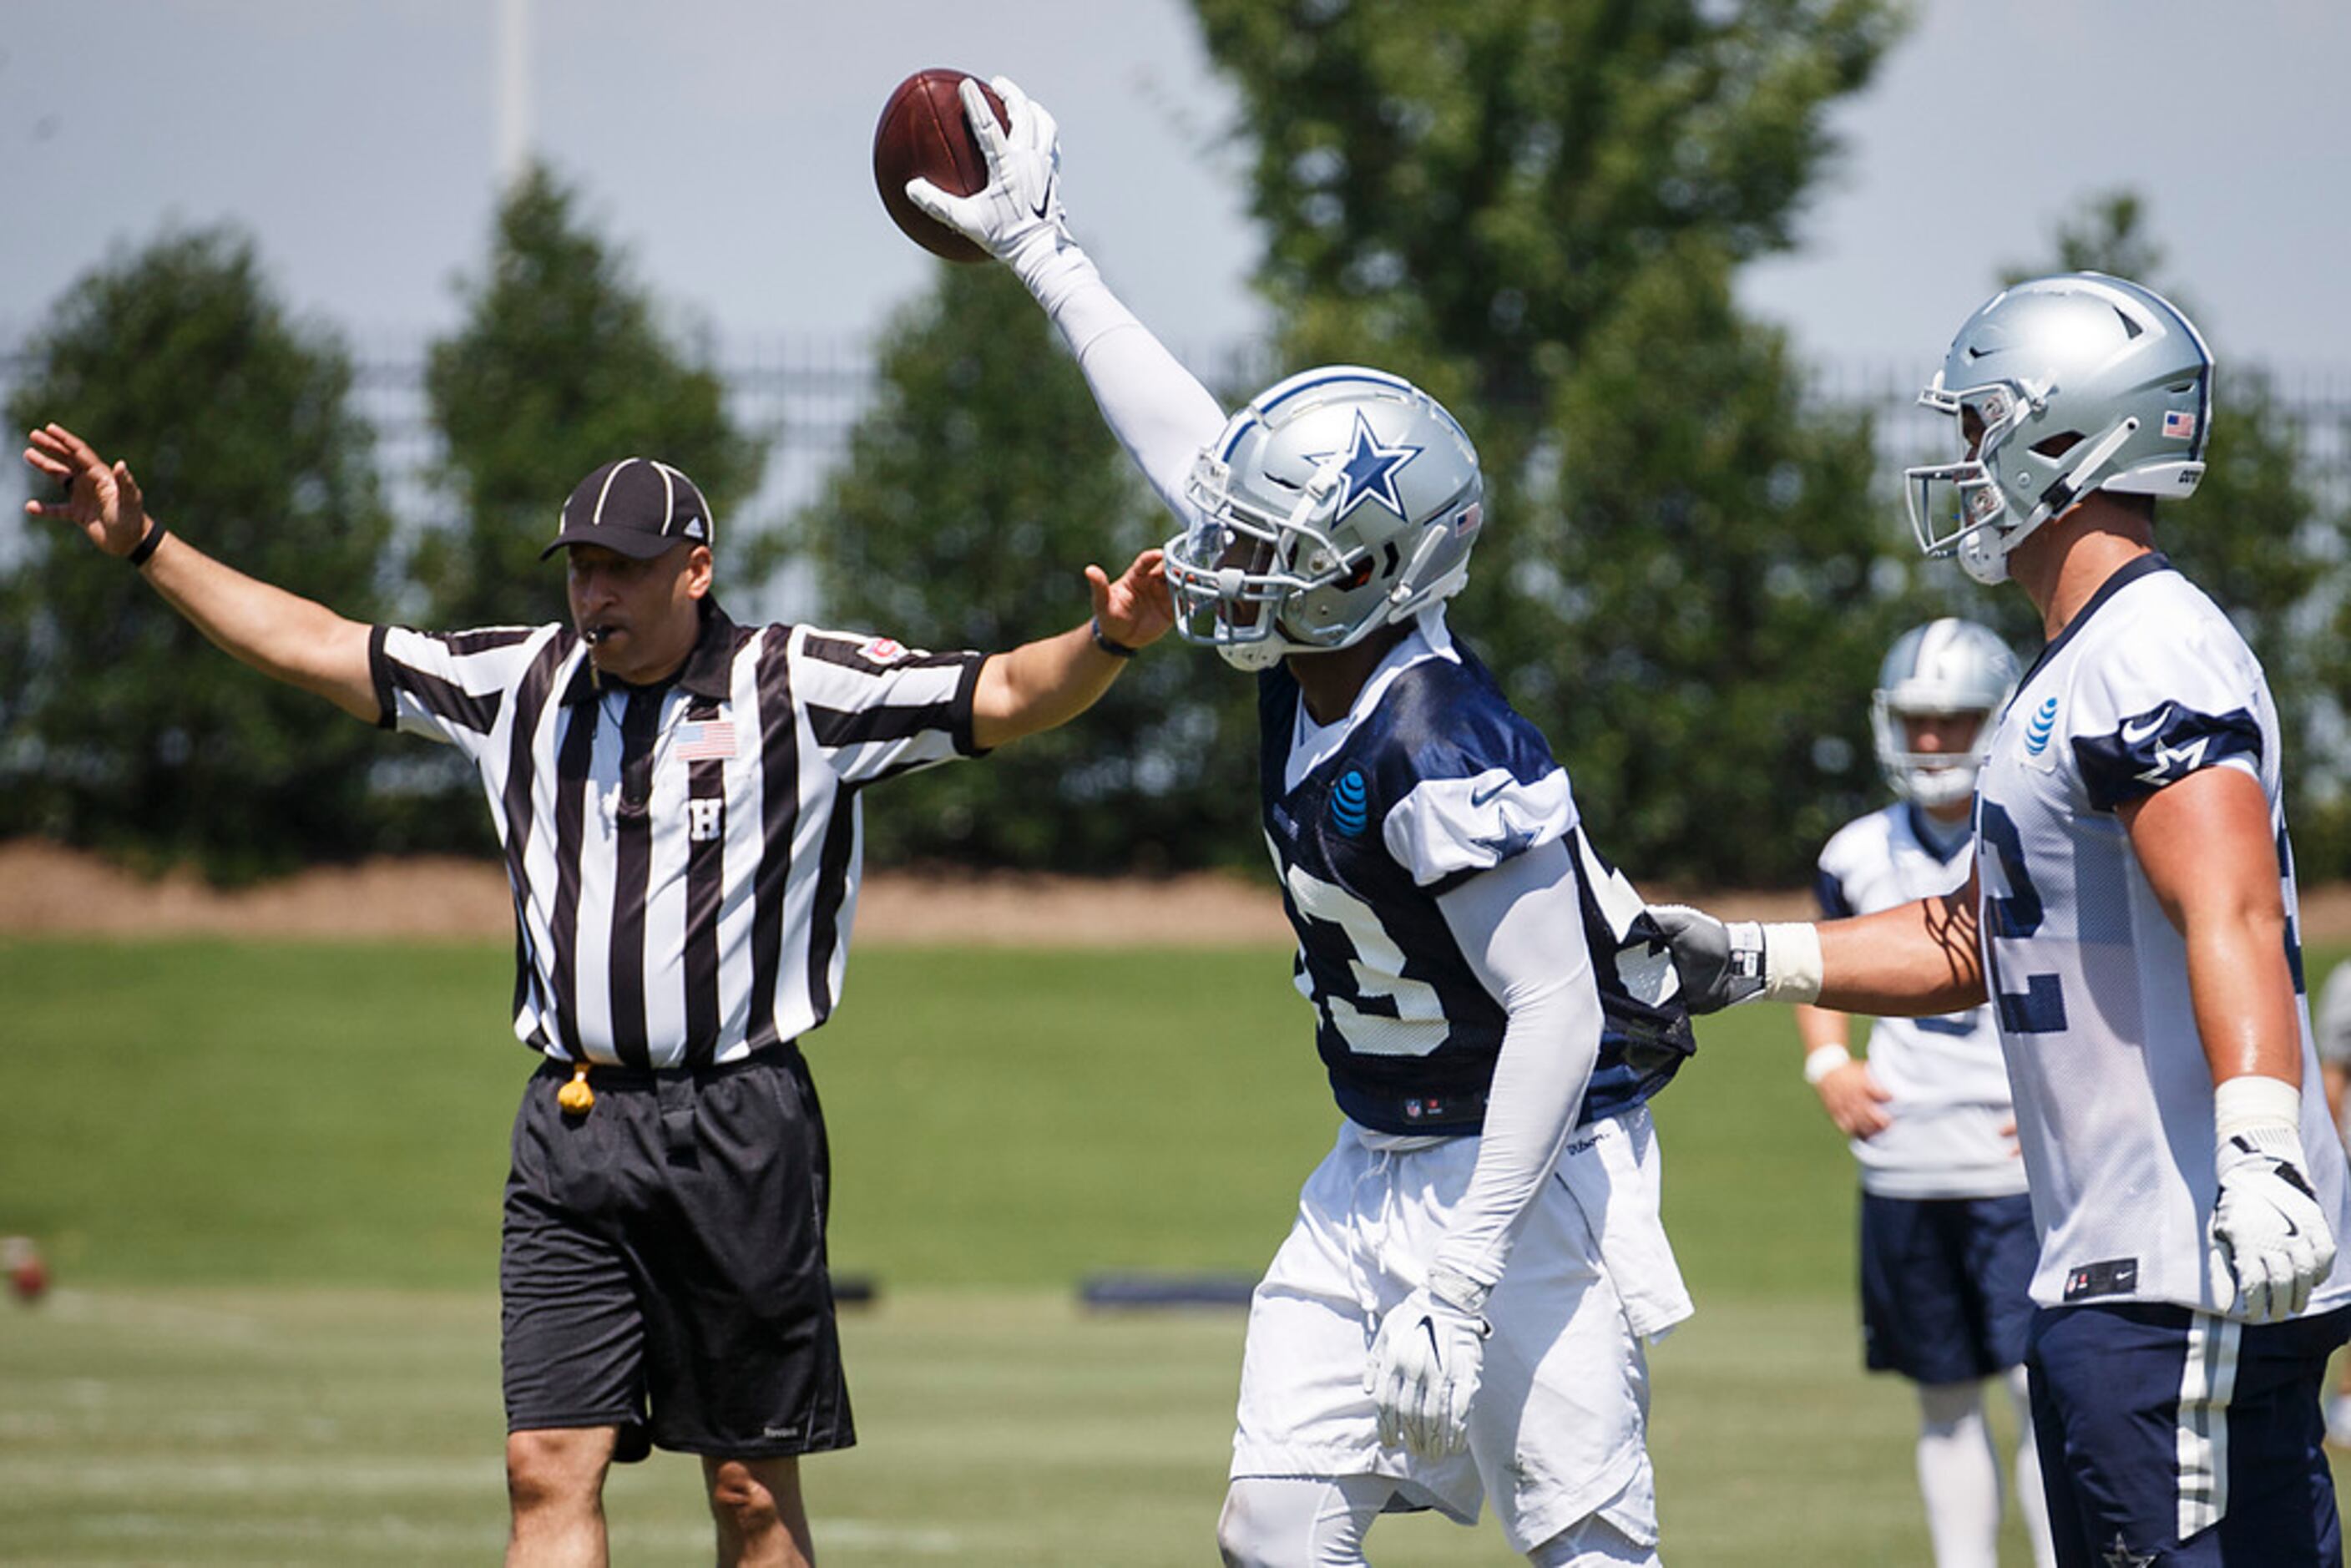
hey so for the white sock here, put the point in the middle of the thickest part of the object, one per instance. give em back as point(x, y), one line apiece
point(2031, 1501)
point(1959, 1475)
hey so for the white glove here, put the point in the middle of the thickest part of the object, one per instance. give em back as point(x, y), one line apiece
point(1423, 1369)
point(2272, 1236)
point(1722, 965)
point(1017, 216)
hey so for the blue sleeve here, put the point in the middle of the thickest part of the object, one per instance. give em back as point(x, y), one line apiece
point(2162, 746)
point(1829, 889)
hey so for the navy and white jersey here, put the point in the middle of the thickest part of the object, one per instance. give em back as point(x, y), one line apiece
point(1950, 1102)
point(684, 857)
point(1430, 780)
point(2087, 976)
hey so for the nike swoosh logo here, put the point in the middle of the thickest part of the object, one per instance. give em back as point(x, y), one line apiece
point(1044, 207)
point(1479, 797)
point(2134, 734)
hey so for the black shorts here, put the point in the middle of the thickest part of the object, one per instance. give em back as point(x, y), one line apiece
point(1944, 1285)
point(2176, 1438)
point(663, 1264)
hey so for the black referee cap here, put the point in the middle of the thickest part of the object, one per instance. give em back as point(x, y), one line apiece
point(637, 506)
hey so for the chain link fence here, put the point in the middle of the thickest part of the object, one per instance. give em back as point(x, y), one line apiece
point(805, 393)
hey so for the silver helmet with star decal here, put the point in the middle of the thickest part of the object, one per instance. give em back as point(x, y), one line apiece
point(1947, 669)
point(1339, 501)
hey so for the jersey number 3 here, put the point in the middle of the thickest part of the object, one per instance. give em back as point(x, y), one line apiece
point(1382, 1013)
point(2040, 1007)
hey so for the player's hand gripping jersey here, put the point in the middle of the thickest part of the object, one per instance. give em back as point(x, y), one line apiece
point(2087, 976)
point(1432, 779)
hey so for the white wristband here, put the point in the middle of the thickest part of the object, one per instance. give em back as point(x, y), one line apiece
point(1824, 1059)
point(1792, 962)
point(2252, 1101)
point(1457, 1287)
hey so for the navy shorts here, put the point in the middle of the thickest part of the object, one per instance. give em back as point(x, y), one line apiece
point(663, 1266)
point(1944, 1283)
point(2177, 1439)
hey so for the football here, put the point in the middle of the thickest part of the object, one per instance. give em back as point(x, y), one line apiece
point(28, 1277)
point(923, 135)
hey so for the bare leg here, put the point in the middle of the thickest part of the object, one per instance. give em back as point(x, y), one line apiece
point(761, 1517)
point(555, 1490)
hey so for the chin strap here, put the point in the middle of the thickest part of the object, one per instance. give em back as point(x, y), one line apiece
point(2066, 490)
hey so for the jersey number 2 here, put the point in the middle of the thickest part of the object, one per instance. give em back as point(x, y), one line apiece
point(2040, 1007)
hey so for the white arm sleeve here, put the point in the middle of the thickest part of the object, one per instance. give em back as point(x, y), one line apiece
point(1157, 409)
point(1521, 925)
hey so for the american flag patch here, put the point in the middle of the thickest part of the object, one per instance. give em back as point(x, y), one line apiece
point(1467, 523)
point(2179, 425)
point(711, 741)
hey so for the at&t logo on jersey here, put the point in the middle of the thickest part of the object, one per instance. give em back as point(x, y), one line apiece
point(1351, 803)
point(2043, 726)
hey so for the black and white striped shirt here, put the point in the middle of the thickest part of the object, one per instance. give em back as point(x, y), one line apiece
point(684, 858)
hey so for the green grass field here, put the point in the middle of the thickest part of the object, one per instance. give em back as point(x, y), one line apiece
point(266, 1177)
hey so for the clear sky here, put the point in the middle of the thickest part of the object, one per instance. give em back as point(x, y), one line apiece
point(725, 144)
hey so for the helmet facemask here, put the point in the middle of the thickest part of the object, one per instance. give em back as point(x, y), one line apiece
point(1945, 669)
point(1933, 779)
point(1236, 566)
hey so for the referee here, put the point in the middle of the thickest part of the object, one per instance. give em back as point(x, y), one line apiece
point(678, 799)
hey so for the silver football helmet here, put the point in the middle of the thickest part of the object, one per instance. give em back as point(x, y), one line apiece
point(1337, 502)
point(2081, 382)
point(1945, 667)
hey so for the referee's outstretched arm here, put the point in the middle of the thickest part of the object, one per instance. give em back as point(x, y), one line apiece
point(1049, 682)
point(282, 635)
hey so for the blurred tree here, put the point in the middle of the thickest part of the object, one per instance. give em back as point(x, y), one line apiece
point(1698, 621)
point(978, 487)
point(1534, 208)
point(124, 730)
point(559, 367)
point(2255, 536)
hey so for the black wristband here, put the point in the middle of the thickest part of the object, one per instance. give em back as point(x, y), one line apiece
point(146, 546)
point(1115, 649)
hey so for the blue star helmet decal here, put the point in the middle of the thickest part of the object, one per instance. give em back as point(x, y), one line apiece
point(1371, 471)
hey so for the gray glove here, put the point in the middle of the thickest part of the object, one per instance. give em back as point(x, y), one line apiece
point(1720, 965)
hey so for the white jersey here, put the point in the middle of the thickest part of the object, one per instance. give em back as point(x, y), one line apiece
point(1950, 1106)
point(2087, 976)
point(2332, 1017)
